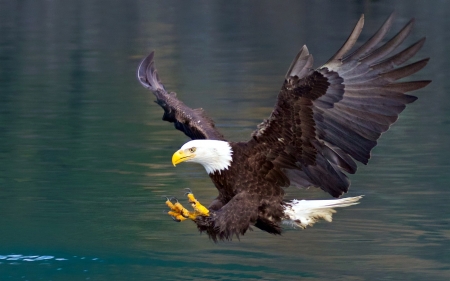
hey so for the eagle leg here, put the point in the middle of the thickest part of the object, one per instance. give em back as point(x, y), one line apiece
point(179, 213)
point(199, 209)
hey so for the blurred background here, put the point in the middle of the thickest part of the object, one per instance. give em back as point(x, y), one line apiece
point(85, 157)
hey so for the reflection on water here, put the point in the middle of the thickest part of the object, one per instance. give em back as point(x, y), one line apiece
point(32, 267)
point(18, 258)
point(85, 157)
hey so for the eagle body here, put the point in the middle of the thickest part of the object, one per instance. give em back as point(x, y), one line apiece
point(246, 185)
point(323, 122)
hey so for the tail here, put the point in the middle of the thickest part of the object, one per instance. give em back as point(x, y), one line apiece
point(303, 213)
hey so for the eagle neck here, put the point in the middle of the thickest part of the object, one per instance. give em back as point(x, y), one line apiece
point(224, 180)
point(220, 157)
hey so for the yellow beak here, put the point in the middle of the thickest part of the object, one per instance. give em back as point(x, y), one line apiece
point(180, 156)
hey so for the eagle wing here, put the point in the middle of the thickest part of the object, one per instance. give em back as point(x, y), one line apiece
point(193, 122)
point(324, 119)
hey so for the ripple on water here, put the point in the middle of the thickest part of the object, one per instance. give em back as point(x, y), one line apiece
point(14, 258)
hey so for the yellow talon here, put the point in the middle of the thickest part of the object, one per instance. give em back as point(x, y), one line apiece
point(170, 204)
point(179, 213)
point(182, 210)
point(176, 211)
point(199, 208)
point(176, 216)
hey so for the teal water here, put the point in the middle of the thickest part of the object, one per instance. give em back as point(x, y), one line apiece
point(85, 158)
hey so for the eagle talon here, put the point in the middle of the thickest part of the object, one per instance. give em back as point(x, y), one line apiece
point(189, 191)
point(179, 213)
point(170, 198)
point(175, 219)
point(199, 209)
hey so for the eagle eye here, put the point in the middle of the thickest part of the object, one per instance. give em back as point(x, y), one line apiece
point(192, 149)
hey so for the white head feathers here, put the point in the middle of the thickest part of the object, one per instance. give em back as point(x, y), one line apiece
point(214, 155)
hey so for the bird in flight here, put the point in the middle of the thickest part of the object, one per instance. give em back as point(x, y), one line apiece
point(323, 122)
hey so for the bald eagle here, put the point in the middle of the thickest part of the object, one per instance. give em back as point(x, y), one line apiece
point(323, 121)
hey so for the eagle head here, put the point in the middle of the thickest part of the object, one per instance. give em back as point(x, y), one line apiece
point(214, 155)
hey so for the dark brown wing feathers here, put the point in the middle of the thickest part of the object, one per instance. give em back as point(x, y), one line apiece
point(373, 41)
point(348, 45)
point(193, 122)
point(334, 115)
point(302, 64)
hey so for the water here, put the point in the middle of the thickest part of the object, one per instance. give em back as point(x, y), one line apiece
point(85, 157)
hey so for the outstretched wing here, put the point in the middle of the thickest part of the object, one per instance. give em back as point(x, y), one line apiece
point(193, 122)
point(326, 118)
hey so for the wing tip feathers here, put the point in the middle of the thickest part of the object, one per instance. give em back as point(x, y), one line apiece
point(147, 74)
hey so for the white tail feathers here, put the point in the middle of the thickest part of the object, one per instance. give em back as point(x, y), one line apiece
point(303, 213)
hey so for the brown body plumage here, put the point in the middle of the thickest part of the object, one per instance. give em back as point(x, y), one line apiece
point(323, 120)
